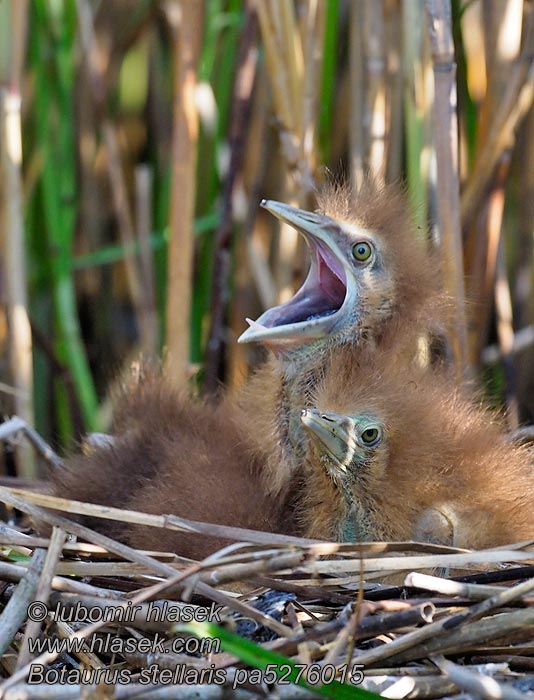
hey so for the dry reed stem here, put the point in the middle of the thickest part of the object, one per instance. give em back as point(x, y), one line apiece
point(187, 37)
point(313, 41)
point(504, 626)
point(471, 591)
point(14, 260)
point(486, 239)
point(505, 335)
point(15, 572)
point(283, 11)
point(283, 49)
point(42, 593)
point(252, 272)
point(143, 218)
point(416, 106)
point(439, 21)
point(481, 686)
point(171, 522)
point(126, 232)
point(391, 564)
point(283, 43)
point(375, 99)
point(16, 611)
point(357, 92)
point(275, 67)
point(446, 628)
point(524, 274)
point(87, 658)
point(393, 131)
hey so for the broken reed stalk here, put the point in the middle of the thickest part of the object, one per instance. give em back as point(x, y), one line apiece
point(439, 23)
point(443, 629)
point(504, 626)
point(186, 17)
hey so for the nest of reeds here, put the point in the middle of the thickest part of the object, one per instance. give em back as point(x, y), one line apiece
point(267, 616)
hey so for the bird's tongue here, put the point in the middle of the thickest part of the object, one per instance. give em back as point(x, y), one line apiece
point(321, 295)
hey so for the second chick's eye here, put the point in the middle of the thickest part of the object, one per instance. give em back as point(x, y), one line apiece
point(371, 436)
point(361, 251)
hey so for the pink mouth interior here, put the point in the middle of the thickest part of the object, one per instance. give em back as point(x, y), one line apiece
point(321, 295)
point(331, 278)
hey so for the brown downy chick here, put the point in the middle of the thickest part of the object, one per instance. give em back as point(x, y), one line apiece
point(371, 276)
point(177, 455)
point(404, 457)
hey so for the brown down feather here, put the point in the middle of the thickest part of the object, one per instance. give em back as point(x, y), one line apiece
point(176, 455)
point(449, 473)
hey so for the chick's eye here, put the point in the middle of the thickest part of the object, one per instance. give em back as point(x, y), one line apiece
point(361, 251)
point(371, 436)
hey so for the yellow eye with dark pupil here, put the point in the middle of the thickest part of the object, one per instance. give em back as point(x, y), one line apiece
point(370, 436)
point(361, 251)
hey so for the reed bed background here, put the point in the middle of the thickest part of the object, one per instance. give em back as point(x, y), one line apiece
point(137, 138)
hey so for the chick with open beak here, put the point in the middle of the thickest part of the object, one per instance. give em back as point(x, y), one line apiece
point(371, 275)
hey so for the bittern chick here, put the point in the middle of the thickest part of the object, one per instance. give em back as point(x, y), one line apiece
point(175, 455)
point(371, 275)
point(406, 458)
